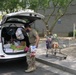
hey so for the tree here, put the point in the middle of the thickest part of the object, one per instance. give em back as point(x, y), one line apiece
point(62, 6)
point(59, 10)
point(9, 6)
point(1, 5)
point(33, 4)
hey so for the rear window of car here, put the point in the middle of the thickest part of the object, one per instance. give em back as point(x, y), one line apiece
point(17, 19)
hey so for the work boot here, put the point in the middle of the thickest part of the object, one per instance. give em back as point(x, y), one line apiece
point(34, 68)
point(30, 69)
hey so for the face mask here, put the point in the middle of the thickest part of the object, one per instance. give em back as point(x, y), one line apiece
point(27, 30)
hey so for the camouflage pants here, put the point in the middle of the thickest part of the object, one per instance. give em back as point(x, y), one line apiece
point(30, 60)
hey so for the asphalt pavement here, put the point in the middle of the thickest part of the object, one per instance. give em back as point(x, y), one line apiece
point(58, 60)
point(18, 68)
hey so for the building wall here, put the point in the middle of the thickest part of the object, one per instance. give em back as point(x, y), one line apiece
point(63, 28)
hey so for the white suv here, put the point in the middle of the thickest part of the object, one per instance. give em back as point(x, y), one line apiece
point(10, 23)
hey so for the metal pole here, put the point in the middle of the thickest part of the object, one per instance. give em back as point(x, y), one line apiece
point(74, 30)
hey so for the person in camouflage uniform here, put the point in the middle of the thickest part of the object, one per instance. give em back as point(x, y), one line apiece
point(34, 40)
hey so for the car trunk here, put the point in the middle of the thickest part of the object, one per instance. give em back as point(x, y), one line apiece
point(11, 44)
point(11, 22)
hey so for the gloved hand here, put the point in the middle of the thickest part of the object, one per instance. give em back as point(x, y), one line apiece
point(26, 48)
point(33, 48)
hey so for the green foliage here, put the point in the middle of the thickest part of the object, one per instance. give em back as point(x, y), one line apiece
point(33, 4)
point(0, 17)
point(8, 5)
point(44, 4)
point(12, 5)
point(22, 3)
point(70, 34)
point(61, 3)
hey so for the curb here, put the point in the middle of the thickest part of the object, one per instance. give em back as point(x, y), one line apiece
point(57, 66)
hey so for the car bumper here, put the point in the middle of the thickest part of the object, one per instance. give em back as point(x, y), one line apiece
point(13, 59)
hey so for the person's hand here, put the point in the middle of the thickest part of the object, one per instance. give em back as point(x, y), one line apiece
point(32, 54)
point(33, 48)
point(26, 48)
point(36, 46)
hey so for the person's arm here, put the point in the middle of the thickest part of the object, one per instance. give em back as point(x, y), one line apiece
point(37, 38)
point(37, 41)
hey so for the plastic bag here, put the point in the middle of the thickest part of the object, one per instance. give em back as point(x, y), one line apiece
point(7, 45)
point(19, 34)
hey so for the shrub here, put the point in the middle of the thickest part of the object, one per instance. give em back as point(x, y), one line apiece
point(70, 34)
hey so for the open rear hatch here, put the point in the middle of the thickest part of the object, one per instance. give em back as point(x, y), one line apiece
point(25, 17)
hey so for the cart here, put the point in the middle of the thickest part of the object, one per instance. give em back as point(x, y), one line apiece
point(54, 47)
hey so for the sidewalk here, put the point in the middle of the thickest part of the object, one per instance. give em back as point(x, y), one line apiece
point(68, 64)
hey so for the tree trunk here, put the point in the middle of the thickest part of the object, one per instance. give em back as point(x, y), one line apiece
point(47, 29)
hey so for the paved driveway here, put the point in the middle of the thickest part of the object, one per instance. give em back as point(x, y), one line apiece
point(18, 68)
